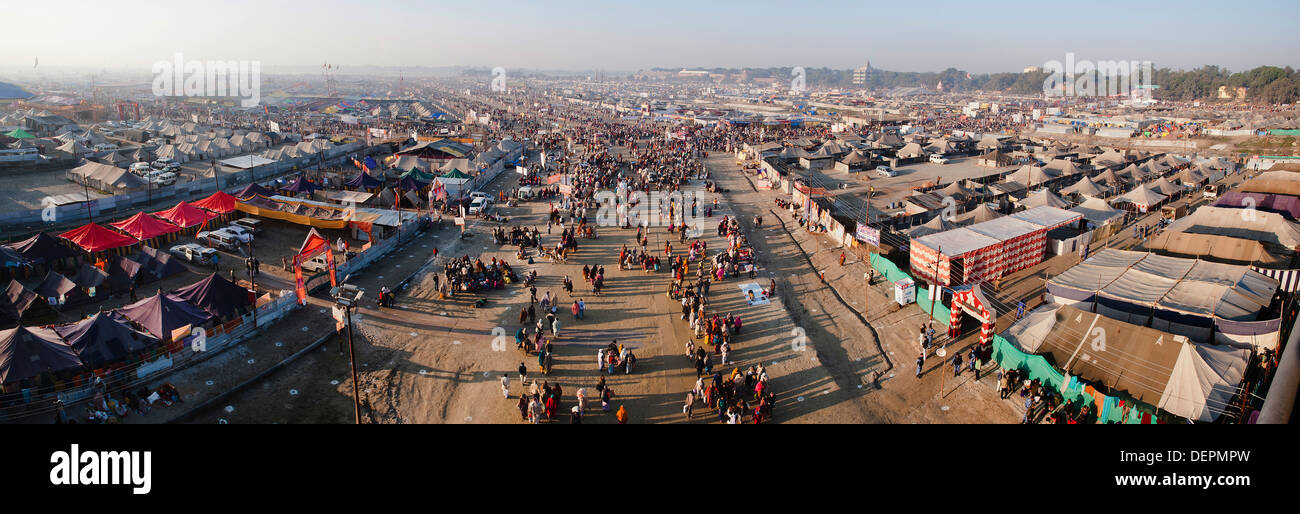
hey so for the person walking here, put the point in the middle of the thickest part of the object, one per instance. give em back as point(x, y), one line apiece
point(621, 415)
point(523, 373)
point(974, 363)
point(505, 385)
point(956, 363)
point(841, 259)
point(523, 407)
point(689, 408)
point(920, 361)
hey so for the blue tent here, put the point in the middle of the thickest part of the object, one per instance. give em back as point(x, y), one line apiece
point(363, 180)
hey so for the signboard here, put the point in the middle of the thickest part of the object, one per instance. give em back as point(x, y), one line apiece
point(460, 221)
point(868, 235)
point(340, 316)
point(275, 127)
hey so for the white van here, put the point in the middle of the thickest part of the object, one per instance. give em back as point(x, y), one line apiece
point(253, 225)
point(938, 159)
point(316, 263)
point(480, 205)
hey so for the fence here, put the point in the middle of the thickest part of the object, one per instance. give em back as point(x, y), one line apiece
point(172, 356)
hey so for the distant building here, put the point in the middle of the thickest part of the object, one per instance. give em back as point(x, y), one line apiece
point(860, 75)
point(1032, 69)
point(1228, 93)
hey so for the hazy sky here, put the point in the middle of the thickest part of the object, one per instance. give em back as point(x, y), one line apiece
point(627, 36)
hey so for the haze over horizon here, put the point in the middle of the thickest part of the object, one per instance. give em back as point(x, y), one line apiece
point(569, 36)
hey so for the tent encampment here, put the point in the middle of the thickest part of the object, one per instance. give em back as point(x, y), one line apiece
point(95, 238)
point(217, 296)
point(143, 226)
point(27, 352)
point(161, 314)
point(101, 339)
point(42, 248)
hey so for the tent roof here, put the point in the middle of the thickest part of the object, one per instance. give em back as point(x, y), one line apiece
point(54, 285)
point(162, 314)
point(300, 185)
point(1222, 248)
point(252, 190)
point(1142, 195)
point(1097, 210)
point(219, 202)
point(1226, 221)
point(26, 352)
point(216, 295)
point(1205, 378)
point(100, 339)
point(1085, 187)
point(185, 215)
point(143, 226)
point(42, 246)
point(1029, 175)
point(979, 214)
point(1045, 197)
point(1288, 206)
point(455, 174)
point(363, 180)
point(94, 238)
point(936, 225)
point(20, 134)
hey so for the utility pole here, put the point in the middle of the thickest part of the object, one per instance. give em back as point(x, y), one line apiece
point(356, 393)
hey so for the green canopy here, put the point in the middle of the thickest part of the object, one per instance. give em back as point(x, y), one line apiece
point(455, 173)
point(419, 175)
point(19, 134)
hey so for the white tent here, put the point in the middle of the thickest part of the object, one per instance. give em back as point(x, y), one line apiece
point(1044, 197)
point(1097, 211)
point(1142, 197)
point(1204, 380)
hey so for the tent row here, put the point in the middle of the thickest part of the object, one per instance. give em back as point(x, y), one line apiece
point(107, 338)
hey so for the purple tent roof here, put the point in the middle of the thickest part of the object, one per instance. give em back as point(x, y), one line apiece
point(363, 180)
point(42, 246)
point(26, 352)
point(100, 339)
point(1288, 206)
point(216, 295)
point(161, 314)
point(411, 184)
point(300, 185)
point(252, 190)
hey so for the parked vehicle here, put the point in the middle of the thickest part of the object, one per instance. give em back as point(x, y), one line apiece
point(1212, 191)
point(194, 253)
point(237, 232)
point(253, 225)
point(218, 239)
point(886, 171)
point(161, 178)
point(938, 159)
point(526, 193)
point(315, 264)
point(478, 194)
point(141, 168)
point(480, 205)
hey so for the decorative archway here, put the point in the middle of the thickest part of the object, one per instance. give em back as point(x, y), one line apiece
point(970, 299)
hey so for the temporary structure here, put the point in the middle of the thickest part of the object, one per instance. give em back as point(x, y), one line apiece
point(100, 340)
point(185, 215)
point(143, 226)
point(95, 238)
point(1141, 197)
point(26, 352)
point(1097, 211)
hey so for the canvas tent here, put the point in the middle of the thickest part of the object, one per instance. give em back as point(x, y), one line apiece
point(95, 238)
point(21, 305)
point(1044, 197)
point(363, 180)
point(1097, 211)
point(27, 352)
point(1258, 225)
point(58, 290)
point(1190, 380)
point(1141, 198)
point(100, 340)
point(252, 190)
point(143, 226)
point(219, 202)
point(89, 277)
point(1084, 187)
point(1216, 248)
point(218, 296)
point(1029, 176)
point(936, 225)
point(1288, 206)
point(300, 185)
point(185, 215)
point(162, 314)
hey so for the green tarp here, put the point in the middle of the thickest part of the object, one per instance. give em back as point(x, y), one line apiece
point(19, 134)
point(455, 173)
point(893, 274)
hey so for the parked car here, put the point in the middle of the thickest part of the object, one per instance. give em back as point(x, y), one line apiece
point(1212, 191)
point(253, 225)
point(160, 177)
point(886, 171)
point(194, 253)
point(938, 159)
point(317, 263)
point(218, 239)
point(239, 233)
point(526, 193)
point(480, 205)
point(141, 168)
point(478, 194)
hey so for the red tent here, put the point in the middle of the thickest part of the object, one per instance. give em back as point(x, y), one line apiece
point(185, 215)
point(95, 238)
point(220, 202)
point(144, 226)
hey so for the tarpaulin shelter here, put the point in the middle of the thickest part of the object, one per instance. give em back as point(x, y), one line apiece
point(143, 226)
point(219, 202)
point(1163, 186)
point(20, 134)
point(363, 180)
point(95, 238)
point(100, 340)
point(934, 226)
point(10, 258)
point(89, 277)
point(42, 248)
point(1142, 198)
point(1030, 176)
point(1044, 197)
point(158, 264)
point(456, 174)
point(1085, 187)
point(27, 352)
point(1097, 211)
point(295, 211)
point(1183, 296)
point(1153, 367)
point(252, 190)
point(1229, 250)
point(1256, 225)
point(217, 296)
point(123, 274)
point(61, 291)
point(19, 304)
point(185, 215)
point(162, 314)
point(1288, 206)
point(300, 185)
point(979, 214)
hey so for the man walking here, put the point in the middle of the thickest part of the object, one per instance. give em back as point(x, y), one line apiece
point(956, 363)
point(505, 385)
point(523, 373)
point(919, 362)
